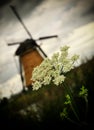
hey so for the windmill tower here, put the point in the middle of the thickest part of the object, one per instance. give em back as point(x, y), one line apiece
point(30, 54)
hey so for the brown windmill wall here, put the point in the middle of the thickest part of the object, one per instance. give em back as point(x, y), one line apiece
point(29, 61)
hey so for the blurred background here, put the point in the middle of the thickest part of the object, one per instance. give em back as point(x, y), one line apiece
point(71, 20)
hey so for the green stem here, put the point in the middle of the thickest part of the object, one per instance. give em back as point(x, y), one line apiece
point(75, 113)
point(73, 105)
point(73, 121)
point(86, 100)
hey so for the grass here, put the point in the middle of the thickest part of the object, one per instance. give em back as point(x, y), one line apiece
point(41, 109)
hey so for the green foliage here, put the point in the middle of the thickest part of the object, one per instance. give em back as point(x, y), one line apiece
point(54, 71)
point(50, 100)
point(83, 92)
point(64, 113)
point(68, 100)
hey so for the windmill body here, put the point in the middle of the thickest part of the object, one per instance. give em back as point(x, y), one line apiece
point(29, 57)
point(30, 54)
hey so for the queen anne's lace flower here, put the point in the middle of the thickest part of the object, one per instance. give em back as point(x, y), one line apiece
point(67, 67)
point(46, 80)
point(36, 85)
point(65, 48)
point(58, 80)
point(74, 57)
point(53, 70)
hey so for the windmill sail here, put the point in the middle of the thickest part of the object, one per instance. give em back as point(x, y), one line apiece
point(19, 18)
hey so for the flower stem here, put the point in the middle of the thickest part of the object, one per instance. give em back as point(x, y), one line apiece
point(75, 113)
point(73, 121)
point(73, 105)
point(86, 100)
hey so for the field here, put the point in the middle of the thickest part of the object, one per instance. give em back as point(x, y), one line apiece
point(42, 108)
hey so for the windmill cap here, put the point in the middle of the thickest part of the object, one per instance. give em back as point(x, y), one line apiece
point(25, 46)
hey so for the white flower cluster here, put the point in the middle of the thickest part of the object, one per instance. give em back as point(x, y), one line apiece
point(53, 70)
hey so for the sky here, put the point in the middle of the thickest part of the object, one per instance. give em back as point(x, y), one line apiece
point(71, 20)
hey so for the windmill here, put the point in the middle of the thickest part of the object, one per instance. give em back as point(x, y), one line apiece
point(29, 52)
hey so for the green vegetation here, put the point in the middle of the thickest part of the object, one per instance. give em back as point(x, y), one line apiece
point(42, 108)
